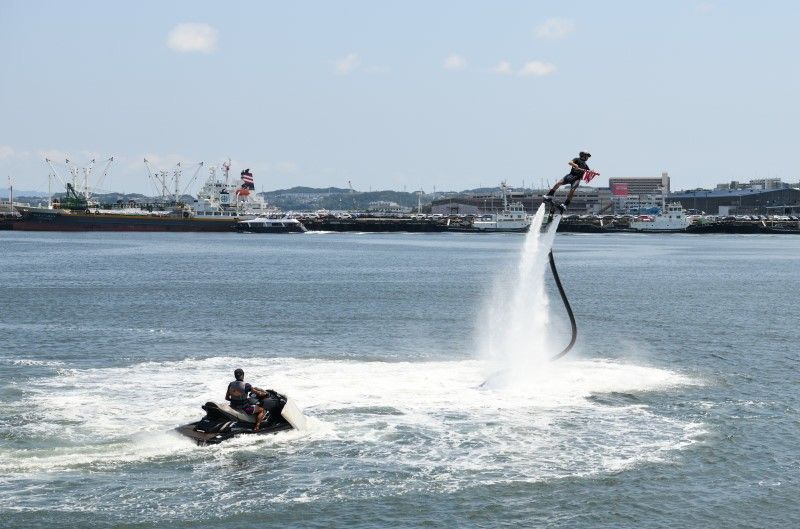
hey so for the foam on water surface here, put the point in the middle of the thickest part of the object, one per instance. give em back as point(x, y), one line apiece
point(415, 417)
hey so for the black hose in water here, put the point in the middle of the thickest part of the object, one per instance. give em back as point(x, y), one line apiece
point(566, 306)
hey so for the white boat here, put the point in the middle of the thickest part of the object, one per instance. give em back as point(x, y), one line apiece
point(270, 225)
point(512, 219)
point(672, 218)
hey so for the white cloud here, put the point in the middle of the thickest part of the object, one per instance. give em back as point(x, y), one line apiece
point(536, 69)
point(703, 8)
point(455, 62)
point(555, 28)
point(347, 64)
point(503, 68)
point(191, 37)
point(6, 151)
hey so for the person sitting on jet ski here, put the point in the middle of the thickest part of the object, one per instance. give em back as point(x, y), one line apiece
point(239, 396)
point(573, 178)
point(271, 402)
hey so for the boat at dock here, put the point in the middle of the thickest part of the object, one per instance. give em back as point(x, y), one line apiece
point(512, 218)
point(670, 219)
point(270, 225)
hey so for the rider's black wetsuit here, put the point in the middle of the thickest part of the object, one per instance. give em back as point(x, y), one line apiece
point(574, 177)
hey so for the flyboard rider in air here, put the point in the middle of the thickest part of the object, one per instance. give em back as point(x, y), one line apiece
point(580, 171)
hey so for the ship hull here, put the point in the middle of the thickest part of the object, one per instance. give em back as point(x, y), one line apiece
point(53, 220)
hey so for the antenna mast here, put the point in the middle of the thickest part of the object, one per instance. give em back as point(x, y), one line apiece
point(226, 167)
point(177, 176)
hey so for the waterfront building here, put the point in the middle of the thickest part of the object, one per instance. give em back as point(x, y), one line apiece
point(385, 206)
point(639, 186)
point(587, 200)
point(636, 204)
point(758, 183)
point(749, 201)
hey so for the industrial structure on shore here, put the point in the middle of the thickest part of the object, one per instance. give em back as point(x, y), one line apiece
point(643, 195)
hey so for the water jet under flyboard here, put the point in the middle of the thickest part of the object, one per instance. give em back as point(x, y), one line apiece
point(517, 338)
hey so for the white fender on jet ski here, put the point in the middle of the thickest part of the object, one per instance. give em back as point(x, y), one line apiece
point(293, 415)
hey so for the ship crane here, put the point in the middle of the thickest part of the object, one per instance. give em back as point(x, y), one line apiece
point(353, 194)
point(79, 183)
point(191, 180)
point(159, 179)
point(106, 170)
point(162, 183)
point(55, 171)
point(76, 171)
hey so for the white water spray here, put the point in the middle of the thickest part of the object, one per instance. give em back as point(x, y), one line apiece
point(514, 327)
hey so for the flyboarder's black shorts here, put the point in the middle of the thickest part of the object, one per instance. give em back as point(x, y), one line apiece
point(572, 180)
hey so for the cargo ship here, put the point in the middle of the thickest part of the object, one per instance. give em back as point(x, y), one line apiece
point(220, 205)
point(57, 219)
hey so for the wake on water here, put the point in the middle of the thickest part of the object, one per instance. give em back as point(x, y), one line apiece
point(429, 423)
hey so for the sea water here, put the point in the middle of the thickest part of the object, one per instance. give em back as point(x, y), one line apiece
point(678, 406)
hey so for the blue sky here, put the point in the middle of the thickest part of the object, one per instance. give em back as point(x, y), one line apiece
point(415, 94)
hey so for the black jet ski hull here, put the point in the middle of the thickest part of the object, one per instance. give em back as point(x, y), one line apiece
point(212, 438)
point(223, 422)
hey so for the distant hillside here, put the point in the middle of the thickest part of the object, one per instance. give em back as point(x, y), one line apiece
point(21, 193)
point(311, 199)
point(299, 198)
point(304, 189)
point(303, 198)
point(100, 198)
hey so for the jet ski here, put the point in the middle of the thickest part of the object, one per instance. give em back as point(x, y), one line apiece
point(223, 421)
